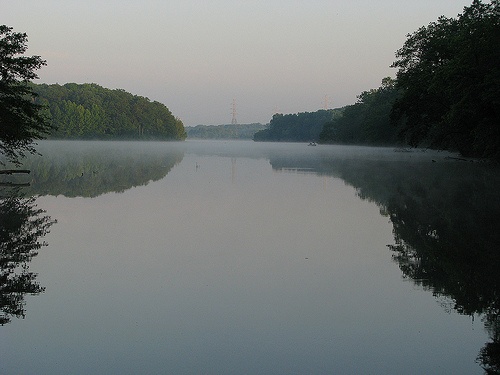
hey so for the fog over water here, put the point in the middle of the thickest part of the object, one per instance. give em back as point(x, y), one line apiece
point(240, 257)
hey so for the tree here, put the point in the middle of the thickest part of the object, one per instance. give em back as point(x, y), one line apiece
point(297, 127)
point(226, 131)
point(89, 111)
point(367, 121)
point(21, 119)
point(449, 72)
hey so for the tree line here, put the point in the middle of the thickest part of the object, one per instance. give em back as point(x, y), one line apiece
point(300, 127)
point(368, 120)
point(365, 122)
point(446, 94)
point(89, 111)
point(227, 131)
point(449, 75)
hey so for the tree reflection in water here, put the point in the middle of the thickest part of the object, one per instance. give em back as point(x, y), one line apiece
point(446, 220)
point(72, 169)
point(447, 241)
point(22, 224)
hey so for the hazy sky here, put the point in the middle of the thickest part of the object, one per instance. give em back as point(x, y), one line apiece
point(196, 56)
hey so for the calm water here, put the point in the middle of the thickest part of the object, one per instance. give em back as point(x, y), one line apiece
point(210, 257)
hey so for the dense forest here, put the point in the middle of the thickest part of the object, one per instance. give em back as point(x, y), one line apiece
point(446, 94)
point(89, 111)
point(233, 131)
point(368, 121)
point(300, 127)
point(449, 75)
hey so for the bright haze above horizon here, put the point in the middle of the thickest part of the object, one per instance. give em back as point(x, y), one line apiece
point(196, 56)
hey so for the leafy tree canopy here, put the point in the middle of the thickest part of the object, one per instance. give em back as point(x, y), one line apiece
point(367, 121)
point(21, 120)
point(89, 111)
point(300, 127)
point(449, 72)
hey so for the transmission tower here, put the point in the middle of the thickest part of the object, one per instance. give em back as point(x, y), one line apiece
point(326, 102)
point(233, 111)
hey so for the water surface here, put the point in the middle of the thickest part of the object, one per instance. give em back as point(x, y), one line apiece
point(257, 258)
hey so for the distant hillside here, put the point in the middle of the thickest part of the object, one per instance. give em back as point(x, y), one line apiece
point(89, 111)
point(239, 131)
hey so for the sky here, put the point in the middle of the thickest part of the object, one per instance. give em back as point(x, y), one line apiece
point(197, 56)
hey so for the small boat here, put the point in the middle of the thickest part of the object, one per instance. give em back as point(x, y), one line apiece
point(312, 144)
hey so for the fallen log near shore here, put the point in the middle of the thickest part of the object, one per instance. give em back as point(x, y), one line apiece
point(12, 184)
point(12, 171)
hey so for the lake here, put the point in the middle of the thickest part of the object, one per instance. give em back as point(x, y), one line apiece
point(213, 257)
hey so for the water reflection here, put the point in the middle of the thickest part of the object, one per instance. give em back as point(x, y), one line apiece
point(89, 169)
point(445, 217)
point(70, 169)
point(22, 225)
point(205, 242)
point(447, 241)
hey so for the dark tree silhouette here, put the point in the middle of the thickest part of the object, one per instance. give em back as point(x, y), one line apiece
point(22, 225)
point(449, 72)
point(21, 119)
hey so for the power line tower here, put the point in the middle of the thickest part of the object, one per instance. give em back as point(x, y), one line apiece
point(233, 111)
point(326, 102)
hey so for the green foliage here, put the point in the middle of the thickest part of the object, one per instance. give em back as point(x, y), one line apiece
point(89, 111)
point(300, 127)
point(449, 72)
point(21, 120)
point(367, 121)
point(239, 131)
